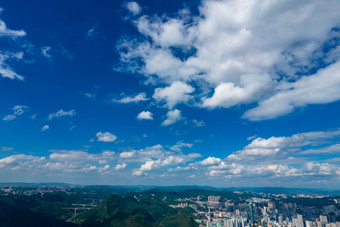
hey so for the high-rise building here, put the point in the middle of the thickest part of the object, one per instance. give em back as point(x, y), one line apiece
point(298, 222)
point(323, 219)
point(271, 206)
point(251, 214)
point(214, 199)
point(309, 224)
point(280, 220)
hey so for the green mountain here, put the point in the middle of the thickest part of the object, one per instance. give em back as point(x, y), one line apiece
point(127, 211)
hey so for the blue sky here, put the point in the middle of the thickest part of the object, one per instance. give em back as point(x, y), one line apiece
point(222, 93)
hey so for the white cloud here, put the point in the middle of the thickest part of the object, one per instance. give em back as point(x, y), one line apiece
point(141, 97)
point(319, 168)
point(90, 95)
point(81, 156)
point(322, 87)
point(9, 117)
point(61, 113)
point(120, 166)
point(134, 8)
point(5, 70)
point(283, 145)
point(174, 94)
point(127, 154)
point(198, 123)
point(243, 51)
point(147, 166)
point(92, 31)
point(251, 137)
point(210, 161)
point(157, 157)
point(170, 163)
point(45, 51)
point(333, 149)
point(6, 148)
point(252, 88)
point(137, 173)
point(173, 160)
point(45, 127)
point(171, 117)
point(6, 32)
point(276, 170)
point(145, 115)
point(105, 137)
point(17, 111)
point(178, 146)
point(14, 160)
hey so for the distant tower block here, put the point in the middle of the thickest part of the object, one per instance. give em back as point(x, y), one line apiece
point(251, 214)
point(214, 199)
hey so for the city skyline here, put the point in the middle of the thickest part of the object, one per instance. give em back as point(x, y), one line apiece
point(219, 93)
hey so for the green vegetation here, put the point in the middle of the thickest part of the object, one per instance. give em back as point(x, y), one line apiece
point(127, 211)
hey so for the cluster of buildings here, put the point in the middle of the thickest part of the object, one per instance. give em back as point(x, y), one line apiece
point(261, 212)
point(20, 190)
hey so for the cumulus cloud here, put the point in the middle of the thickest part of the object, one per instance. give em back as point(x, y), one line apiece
point(45, 127)
point(81, 156)
point(145, 115)
point(71, 161)
point(210, 161)
point(252, 88)
point(236, 52)
point(174, 94)
point(147, 166)
point(159, 163)
point(134, 8)
point(106, 137)
point(319, 168)
point(120, 166)
point(16, 160)
point(171, 117)
point(283, 145)
point(127, 154)
point(158, 157)
point(132, 99)
point(61, 113)
point(321, 87)
point(169, 162)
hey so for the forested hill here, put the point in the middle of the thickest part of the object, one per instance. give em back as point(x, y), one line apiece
point(127, 211)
